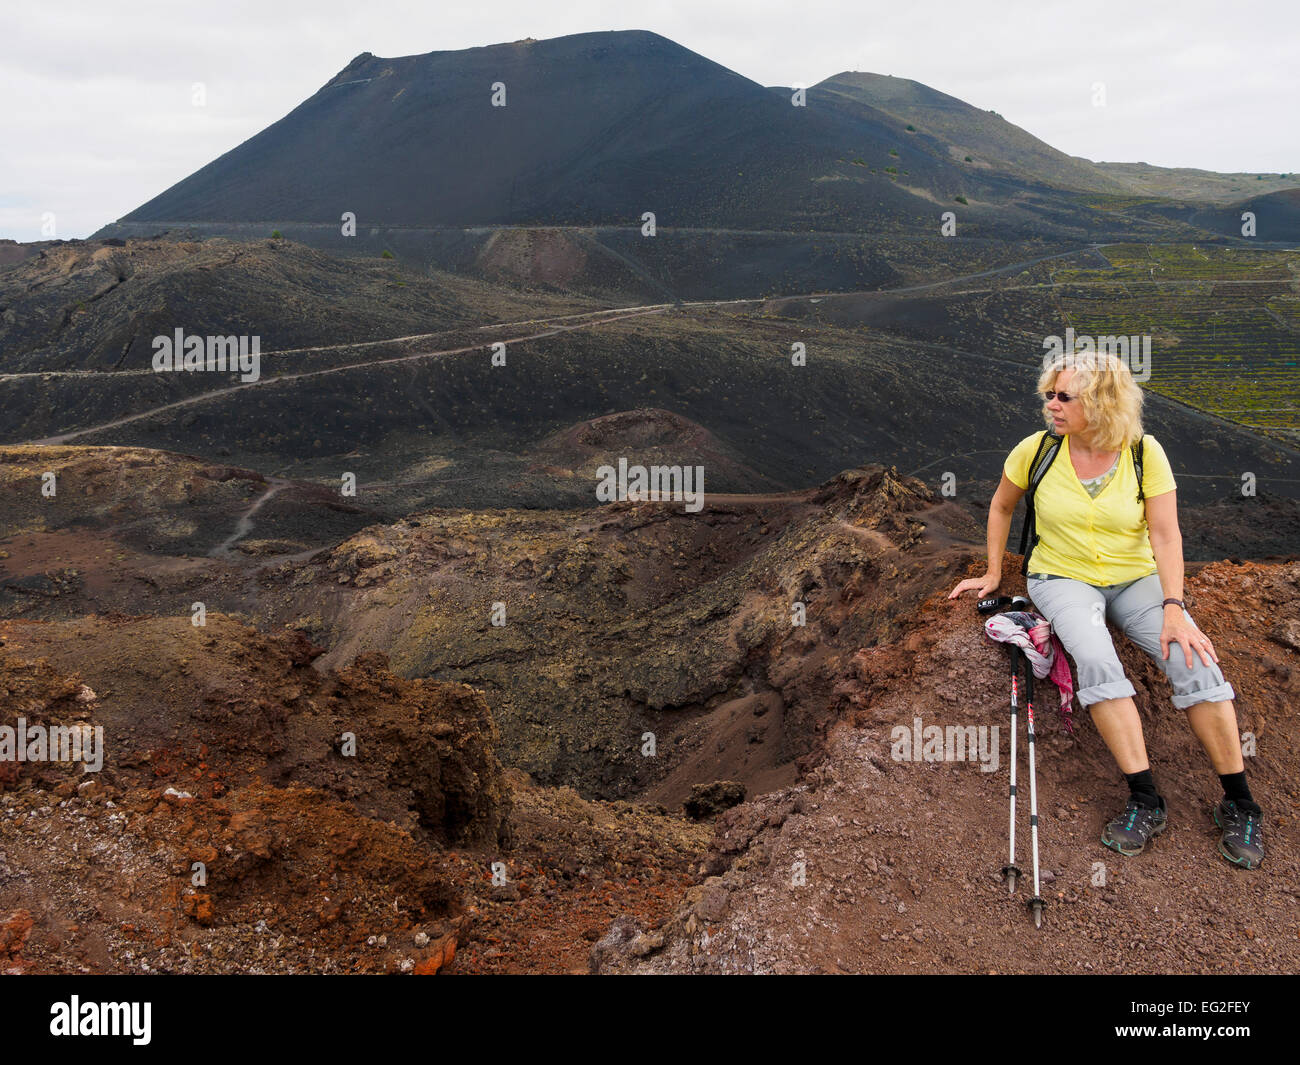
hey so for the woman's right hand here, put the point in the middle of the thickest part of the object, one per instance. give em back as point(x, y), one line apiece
point(987, 585)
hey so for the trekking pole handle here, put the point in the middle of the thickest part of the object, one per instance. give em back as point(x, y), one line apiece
point(993, 604)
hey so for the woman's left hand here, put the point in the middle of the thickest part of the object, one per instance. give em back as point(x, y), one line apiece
point(1177, 629)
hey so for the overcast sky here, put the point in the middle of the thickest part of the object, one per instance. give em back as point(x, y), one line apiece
point(96, 114)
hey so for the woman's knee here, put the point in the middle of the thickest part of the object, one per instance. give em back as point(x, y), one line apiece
point(1207, 688)
point(1102, 686)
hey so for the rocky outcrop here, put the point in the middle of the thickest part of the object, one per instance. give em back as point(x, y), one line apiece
point(877, 861)
point(242, 706)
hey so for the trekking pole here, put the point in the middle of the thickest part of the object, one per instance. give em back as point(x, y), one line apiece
point(1011, 871)
point(1037, 903)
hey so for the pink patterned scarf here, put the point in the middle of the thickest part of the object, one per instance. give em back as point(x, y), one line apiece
point(1034, 636)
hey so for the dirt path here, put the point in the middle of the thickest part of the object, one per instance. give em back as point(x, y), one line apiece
point(245, 524)
point(591, 319)
point(204, 397)
point(604, 318)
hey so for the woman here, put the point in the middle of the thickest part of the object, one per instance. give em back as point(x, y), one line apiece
point(1100, 553)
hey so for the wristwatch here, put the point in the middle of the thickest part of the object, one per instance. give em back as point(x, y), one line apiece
point(1178, 601)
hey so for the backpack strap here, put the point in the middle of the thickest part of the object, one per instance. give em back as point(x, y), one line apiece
point(1048, 447)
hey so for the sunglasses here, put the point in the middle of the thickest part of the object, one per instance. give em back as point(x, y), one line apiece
point(1064, 397)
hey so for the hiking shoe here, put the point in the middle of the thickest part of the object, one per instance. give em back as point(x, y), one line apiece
point(1240, 842)
point(1129, 832)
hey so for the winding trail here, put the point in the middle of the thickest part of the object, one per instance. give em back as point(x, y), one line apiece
point(245, 524)
point(591, 319)
point(566, 323)
point(205, 397)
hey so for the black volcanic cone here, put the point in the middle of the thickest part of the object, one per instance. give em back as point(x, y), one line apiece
point(598, 128)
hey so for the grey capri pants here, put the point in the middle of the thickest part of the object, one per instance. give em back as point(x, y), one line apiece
point(1076, 609)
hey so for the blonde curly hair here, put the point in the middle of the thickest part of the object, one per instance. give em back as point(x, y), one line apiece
point(1109, 397)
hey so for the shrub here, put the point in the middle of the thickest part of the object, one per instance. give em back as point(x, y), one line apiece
point(386, 254)
point(276, 235)
point(962, 199)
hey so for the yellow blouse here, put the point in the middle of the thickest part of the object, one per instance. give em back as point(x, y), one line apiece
point(1099, 541)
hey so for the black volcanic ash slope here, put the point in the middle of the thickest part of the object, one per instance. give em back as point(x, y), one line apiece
point(598, 128)
point(92, 305)
point(87, 306)
point(990, 140)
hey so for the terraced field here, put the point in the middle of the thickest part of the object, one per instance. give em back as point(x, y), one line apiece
point(1223, 322)
point(1224, 325)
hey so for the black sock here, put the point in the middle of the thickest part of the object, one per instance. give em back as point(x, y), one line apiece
point(1234, 788)
point(1142, 788)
